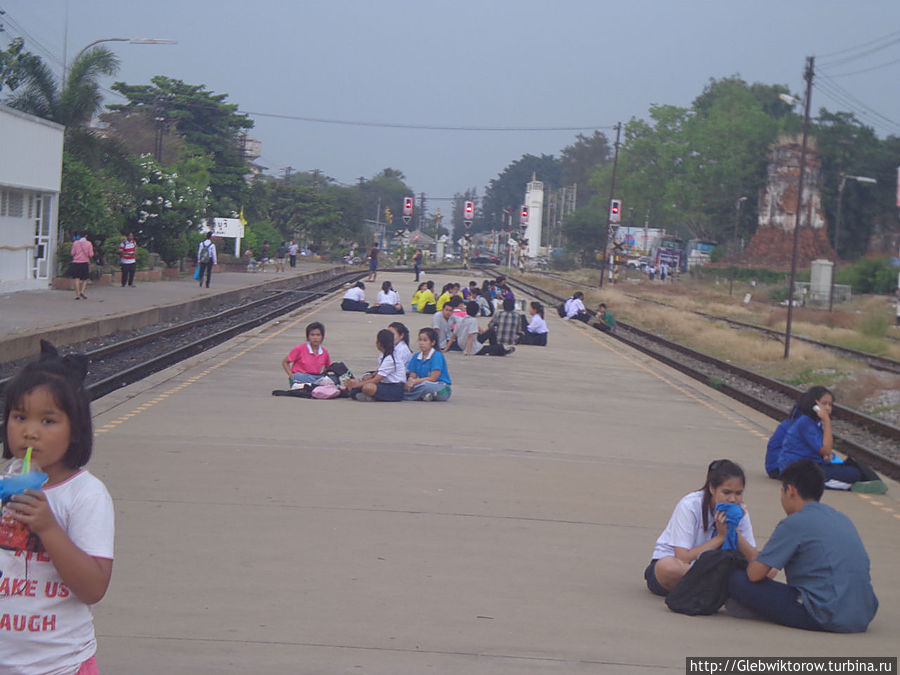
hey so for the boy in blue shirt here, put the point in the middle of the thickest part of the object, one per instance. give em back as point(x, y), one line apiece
point(828, 586)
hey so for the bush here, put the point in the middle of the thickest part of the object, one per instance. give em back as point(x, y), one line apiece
point(869, 275)
point(875, 324)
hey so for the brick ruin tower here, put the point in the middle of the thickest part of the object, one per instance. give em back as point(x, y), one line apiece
point(773, 242)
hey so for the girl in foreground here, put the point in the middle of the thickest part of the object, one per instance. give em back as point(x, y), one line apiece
point(68, 560)
point(690, 531)
point(427, 378)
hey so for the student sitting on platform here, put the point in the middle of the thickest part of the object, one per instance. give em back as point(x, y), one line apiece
point(575, 308)
point(459, 307)
point(502, 332)
point(443, 323)
point(809, 437)
point(355, 298)
point(464, 334)
point(484, 306)
point(691, 528)
point(427, 378)
point(536, 331)
point(449, 291)
point(427, 303)
point(388, 301)
point(306, 362)
point(388, 383)
point(828, 585)
point(417, 296)
point(402, 352)
point(467, 292)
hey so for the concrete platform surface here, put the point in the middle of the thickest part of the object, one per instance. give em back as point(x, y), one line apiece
point(505, 531)
point(64, 320)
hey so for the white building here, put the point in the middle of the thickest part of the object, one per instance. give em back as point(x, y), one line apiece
point(534, 200)
point(30, 175)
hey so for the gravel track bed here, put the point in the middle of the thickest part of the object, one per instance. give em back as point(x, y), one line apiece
point(885, 446)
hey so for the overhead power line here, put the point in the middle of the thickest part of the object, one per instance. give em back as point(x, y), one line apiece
point(867, 70)
point(862, 54)
point(425, 127)
point(844, 98)
point(861, 46)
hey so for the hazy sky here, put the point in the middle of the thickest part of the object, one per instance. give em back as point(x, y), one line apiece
point(467, 63)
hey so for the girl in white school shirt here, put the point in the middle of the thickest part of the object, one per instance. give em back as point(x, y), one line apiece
point(388, 382)
point(401, 342)
point(690, 529)
point(536, 331)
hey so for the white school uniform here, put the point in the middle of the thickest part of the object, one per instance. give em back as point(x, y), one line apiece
point(392, 368)
point(685, 527)
point(537, 325)
point(355, 293)
point(573, 307)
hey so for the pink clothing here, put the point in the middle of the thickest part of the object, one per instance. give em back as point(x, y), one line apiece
point(82, 250)
point(303, 360)
point(89, 667)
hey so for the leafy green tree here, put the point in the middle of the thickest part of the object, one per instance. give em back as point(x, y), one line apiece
point(15, 64)
point(508, 189)
point(84, 202)
point(584, 232)
point(73, 104)
point(209, 126)
point(170, 204)
point(579, 160)
point(388, 188)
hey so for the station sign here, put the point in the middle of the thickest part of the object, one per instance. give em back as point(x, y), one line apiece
point(225, 227)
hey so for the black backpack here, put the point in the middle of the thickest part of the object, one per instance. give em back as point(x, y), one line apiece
point(704, 589)
point(561, 310)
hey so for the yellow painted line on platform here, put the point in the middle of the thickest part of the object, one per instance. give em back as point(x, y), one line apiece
point(184, 385)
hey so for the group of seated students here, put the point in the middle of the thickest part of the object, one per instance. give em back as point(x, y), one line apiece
point(806, 434)
point(400, 375)
point(387, 301)
point(574, 309)
point(457, 328)
point(826, 565)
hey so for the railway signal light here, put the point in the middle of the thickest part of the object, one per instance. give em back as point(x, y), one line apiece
point(469, 211)
point(615, 211)
point(407, 206)
point(523, 216)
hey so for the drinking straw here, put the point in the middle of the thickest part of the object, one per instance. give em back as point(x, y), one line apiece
point(26, 465)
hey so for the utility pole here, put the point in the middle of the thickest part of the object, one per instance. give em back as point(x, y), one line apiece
point(808, 76)
point(612, 194)
point(421, 225)
point(287, 171)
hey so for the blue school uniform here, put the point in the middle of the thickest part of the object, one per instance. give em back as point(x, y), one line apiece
point(803, 440)
point(421, 367)
point(773, 449)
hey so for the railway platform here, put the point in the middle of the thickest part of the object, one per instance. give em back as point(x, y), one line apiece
point(504, 531)
point(27, 316)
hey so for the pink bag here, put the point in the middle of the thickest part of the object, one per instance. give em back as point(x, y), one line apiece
point(329, 390)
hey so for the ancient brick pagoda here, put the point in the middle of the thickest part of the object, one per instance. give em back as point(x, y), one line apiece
point(773, 242)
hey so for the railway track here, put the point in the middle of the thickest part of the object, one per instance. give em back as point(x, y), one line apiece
point(855, 433)
point(123, 362)
point(872, 360)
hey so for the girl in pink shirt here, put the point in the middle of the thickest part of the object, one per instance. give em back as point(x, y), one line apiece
point(306, 363)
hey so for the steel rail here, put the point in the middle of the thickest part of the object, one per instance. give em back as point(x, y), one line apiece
point(887, 465)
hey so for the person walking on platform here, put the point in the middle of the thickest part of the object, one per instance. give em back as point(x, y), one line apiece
point(696, 526)
point(127, 260)
point(502, 332)
point(82, 252)
point(206, 258)
point(280, 254)
point(292, 253)
point(827, 568)
point(373, 263)
point(427, 377)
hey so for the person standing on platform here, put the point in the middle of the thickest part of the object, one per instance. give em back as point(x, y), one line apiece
point(280, 254)
point(417, 263)
point(263, 256)
point(127, 260)
point(827, 568)
point(206, 258)
point(292, 253)
point(82, 252)
point(373, 263)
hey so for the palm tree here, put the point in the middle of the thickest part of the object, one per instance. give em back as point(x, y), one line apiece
point(78, 100)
